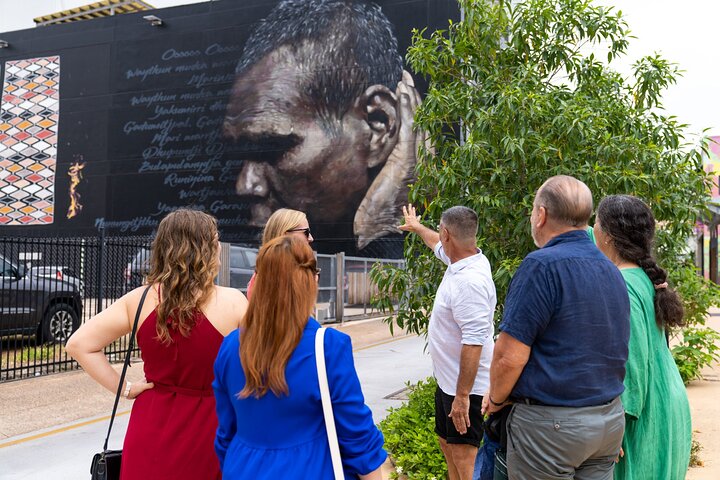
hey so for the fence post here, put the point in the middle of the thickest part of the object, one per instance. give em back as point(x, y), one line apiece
point(101, 270)
point(366, 293)
point(713, 267)
point(223, 276)
point(339, 286)
point(700, 250)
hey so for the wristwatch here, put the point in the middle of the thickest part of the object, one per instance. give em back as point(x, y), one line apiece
point(128, 384)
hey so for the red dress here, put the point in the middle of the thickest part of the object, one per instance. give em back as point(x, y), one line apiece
point(172, 426)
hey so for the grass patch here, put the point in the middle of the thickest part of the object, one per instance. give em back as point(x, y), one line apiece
point(695, 449)
point(39, 353)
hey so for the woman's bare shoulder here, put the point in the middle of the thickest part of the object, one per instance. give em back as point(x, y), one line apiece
point(228, 294)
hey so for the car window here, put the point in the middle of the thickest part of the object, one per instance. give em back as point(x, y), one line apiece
point(251, 256)
point(141, 262)
point(242, 258)
point(7, 269)
point(237, 259)
point(143, 256)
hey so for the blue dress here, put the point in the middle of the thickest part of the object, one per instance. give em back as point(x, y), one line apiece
point(284, 437)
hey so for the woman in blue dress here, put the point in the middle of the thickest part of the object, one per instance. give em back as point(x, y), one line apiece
point(270, 415)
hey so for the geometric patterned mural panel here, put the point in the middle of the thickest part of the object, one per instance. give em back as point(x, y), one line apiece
point(29, 109)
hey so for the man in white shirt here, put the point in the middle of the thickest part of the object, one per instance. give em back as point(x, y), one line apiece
point(460, 334)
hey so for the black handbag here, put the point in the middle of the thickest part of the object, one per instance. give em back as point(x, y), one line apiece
point(106, 464)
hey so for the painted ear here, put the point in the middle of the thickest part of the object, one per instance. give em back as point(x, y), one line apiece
point(379, 109)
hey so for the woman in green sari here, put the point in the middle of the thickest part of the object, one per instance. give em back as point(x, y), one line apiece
point(657, 437)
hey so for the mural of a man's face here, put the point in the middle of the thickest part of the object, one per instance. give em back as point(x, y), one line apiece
point(298, 155)
point(322, 115)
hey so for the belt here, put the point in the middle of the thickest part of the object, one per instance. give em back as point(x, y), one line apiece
point(532, 401)
point(529, 401)
point(191, 392)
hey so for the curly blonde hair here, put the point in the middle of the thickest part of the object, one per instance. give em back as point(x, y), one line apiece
point(184, 262)
point(280, 222)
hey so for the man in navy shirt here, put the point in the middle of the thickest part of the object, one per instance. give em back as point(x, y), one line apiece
point(561, 353)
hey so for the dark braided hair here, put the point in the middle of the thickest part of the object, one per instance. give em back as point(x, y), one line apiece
point(630, 224)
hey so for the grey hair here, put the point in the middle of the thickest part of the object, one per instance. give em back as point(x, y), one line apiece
point(462, 222)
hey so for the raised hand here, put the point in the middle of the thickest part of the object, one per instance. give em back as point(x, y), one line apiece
point(412, 222)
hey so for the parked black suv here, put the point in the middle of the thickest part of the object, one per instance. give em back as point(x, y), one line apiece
point(31, 304)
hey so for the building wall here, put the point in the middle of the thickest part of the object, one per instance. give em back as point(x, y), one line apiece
point(125, 123)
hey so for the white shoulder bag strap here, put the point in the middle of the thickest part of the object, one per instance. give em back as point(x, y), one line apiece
point(327, 404)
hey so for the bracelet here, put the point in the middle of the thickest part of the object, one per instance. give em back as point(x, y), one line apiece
point(128, 384)
point(496, 403)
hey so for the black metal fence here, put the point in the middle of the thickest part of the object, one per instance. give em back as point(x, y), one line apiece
point(49, 286)
point(346, 291)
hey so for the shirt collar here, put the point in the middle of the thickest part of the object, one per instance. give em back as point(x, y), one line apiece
point(460, 264)
point(571, 236)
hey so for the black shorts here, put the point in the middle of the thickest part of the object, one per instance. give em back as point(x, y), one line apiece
point(444, 426)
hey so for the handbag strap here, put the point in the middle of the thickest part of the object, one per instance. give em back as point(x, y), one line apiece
point(125, 366)
point(327, 405)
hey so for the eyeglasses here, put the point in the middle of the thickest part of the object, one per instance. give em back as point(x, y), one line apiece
point(317, 271)
point(306, 231)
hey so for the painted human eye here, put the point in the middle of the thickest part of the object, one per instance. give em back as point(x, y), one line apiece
point(267, 147)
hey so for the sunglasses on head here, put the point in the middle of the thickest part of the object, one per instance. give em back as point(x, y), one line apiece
point(306, 231)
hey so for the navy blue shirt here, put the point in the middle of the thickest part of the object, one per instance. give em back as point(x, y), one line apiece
point(569, 303)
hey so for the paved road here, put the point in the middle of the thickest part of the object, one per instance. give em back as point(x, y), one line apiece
point(64, 452)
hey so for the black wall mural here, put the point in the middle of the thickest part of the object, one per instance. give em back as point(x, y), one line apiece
point(237, 108)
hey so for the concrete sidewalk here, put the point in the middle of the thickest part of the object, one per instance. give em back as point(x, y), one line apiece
point(705, 409)
point(35, 404)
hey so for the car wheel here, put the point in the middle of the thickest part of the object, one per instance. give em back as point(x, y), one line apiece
point(59, 323)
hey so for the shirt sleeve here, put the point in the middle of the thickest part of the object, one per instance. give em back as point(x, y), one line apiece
point(529, 304)
point(361, 443)
point(440, 253)
point(473, 309)
point(636, 368)
point(227, 422)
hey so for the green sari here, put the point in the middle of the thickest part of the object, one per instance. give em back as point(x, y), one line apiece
point(658, 431)
point(657, 412)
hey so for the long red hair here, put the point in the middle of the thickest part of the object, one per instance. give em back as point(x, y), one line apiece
point(283, 298)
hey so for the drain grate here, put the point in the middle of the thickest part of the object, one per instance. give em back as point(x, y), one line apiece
point(401, 394)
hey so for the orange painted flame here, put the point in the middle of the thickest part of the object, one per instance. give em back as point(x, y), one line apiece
point(75, 174)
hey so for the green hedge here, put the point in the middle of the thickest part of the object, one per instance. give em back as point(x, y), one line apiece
point(410, 435)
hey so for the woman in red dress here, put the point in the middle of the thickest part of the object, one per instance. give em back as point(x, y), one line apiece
point(182, 324)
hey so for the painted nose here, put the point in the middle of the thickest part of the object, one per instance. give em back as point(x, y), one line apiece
point(252, 181)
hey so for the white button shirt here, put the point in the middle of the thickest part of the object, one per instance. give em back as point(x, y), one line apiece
point(462, 315)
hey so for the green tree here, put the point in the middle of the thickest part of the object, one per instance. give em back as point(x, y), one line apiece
point(519, 92)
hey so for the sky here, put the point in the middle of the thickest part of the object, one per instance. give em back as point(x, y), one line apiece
point(684, 32)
